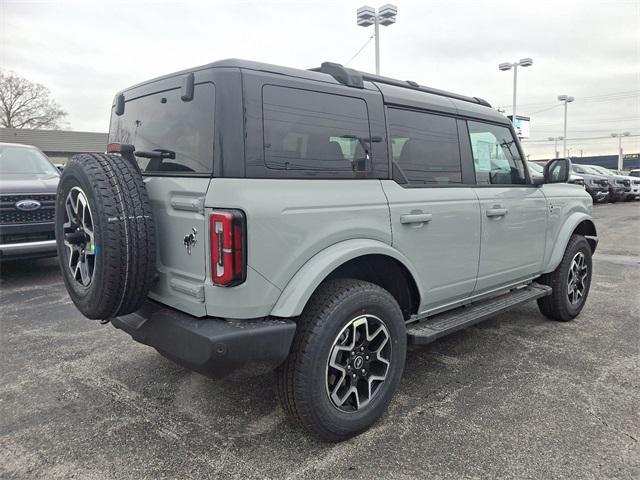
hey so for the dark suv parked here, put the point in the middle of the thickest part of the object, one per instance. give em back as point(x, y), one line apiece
point(596, 184)
point(28, 182)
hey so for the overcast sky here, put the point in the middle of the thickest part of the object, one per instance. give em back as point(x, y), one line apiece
point(85, 51)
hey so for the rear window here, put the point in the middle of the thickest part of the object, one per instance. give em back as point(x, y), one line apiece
point(164, 121)
point(315, 132)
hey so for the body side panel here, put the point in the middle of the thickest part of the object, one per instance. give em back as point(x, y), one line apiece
point(569, 205)
point(298, 291)
point(288, 223)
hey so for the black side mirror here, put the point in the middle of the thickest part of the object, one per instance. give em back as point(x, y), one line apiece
point(557, 170)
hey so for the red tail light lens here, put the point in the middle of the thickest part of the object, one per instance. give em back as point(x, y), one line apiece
point(228, 247)
point(121, 148)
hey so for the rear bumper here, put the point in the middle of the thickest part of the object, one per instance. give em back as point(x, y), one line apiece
point(215, 347)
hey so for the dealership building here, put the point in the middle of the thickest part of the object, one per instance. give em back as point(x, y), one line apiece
point(58, 145)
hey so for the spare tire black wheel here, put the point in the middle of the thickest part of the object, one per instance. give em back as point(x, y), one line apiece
point(105, 235)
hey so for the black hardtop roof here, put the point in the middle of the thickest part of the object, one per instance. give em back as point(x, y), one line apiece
point(404, 93)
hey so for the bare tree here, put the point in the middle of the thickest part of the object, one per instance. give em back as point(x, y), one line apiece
point(24, 104)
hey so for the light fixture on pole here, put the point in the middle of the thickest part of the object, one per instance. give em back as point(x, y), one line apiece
point(524, 62)
point(385, 16)
point(555, 144)
point(566, 99)
point(620, 155)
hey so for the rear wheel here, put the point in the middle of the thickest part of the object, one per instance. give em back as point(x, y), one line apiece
point(570, 282)
point(346, 360)
point(105, 235)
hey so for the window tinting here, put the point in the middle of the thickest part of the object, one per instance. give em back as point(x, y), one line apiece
point(495, 155)
point(315, 132)
point(164, 121)
point(425, 147)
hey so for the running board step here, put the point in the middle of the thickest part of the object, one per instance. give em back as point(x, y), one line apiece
point(430, 329)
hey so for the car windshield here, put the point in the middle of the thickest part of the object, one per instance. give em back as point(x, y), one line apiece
point(25, 161)
point(634, 173)
point(602, 170)
point(591, 170)
point(535, 167)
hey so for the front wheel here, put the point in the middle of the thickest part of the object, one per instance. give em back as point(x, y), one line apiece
point(570, 282)
point(346, 361)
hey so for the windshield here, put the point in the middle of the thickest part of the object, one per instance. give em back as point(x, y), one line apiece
point(25, 161)
point(535, 167)
point(602, 170)
point(591, 170)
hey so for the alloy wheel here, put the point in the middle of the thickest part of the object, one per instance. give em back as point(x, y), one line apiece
point(79, 236)
point(577, 278)
point(358, 363)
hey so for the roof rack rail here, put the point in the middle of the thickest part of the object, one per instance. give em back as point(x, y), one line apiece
point(355, 78)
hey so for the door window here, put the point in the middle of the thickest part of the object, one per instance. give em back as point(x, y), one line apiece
point(315, 132)
point(496, 158)
point(425, 147)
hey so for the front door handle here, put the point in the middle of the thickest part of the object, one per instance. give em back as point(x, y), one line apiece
point(416, 218)
point(497, 212)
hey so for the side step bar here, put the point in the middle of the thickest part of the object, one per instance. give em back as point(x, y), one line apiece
point(430, 329)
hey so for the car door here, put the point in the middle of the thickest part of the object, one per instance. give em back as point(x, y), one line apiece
point(513, 211)
point(435, 217)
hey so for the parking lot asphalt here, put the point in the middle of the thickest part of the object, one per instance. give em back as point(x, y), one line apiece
point(515, 397)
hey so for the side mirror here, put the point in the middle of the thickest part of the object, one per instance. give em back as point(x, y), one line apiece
point(557, 170)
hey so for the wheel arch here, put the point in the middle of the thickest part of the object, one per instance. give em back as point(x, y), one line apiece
point(363, 259)
point(578, 223)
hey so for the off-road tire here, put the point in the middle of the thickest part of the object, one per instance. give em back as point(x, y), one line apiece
point(301, 379)
point(557, 305)
point(125, 243)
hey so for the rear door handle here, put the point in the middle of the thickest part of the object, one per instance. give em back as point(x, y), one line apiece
point(497, 212)
point(416, 218)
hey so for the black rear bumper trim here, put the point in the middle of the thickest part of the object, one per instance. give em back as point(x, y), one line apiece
point(213, 346)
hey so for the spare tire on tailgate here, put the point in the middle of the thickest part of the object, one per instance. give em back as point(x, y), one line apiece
point(105, 235)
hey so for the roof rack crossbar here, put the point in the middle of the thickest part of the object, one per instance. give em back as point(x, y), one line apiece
point(355, 78)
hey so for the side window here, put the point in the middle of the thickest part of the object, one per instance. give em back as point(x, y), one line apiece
point(315, 132)
point(425, 147)
point(495, 155)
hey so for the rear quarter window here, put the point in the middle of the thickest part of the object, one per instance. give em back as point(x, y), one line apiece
point(164, 121)
point(315, 133)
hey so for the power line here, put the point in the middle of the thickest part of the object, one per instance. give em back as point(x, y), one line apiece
point(576, 139)
point(360, 51)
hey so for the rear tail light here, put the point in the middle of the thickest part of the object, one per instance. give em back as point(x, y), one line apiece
point(228, 247)
point(121, 148)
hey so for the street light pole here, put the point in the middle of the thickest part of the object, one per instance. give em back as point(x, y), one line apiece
point(566, 99)
point(376, 30)
point(555, 144)
point(524, 62)
point(620, 154)
point(385, 16)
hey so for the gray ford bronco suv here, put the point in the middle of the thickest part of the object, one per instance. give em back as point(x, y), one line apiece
point(248, 217)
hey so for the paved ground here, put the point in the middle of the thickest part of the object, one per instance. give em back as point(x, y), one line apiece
point(517, 397)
